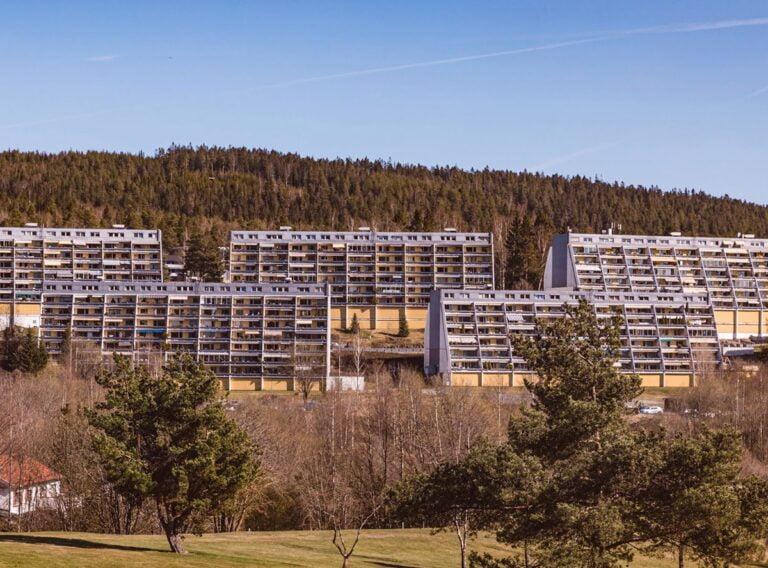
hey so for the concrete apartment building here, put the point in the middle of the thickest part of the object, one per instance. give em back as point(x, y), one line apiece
point(731, 272)
point(681, 300)
point(666, 338)
point(376, 276)
point(252, 336)
point(30, 255)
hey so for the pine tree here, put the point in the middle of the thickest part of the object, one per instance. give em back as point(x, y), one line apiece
point(25, 353)
point(203, 259)
point(355, 326)
point(10, 344)
point(403, 329)
point(522, 262)
point(595, 465)
point(697, 505)
point(167, 437)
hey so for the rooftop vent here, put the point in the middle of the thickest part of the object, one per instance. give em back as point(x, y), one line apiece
point(286, 228)
point(748, 235)
point(118, 226)
point(675, 234)
point(30, 224)
point(363, 228)
point(450, 229)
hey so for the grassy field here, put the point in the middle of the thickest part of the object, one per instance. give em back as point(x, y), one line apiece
point(378, 548)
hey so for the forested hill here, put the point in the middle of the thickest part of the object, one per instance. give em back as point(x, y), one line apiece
point(221, 188)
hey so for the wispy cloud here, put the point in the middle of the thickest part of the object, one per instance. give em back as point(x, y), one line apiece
point(100, 58)
point(597, 37)
point(556, 161)
point(700, 26)
point(757, 92)
point(419, 64)
point(689, 27)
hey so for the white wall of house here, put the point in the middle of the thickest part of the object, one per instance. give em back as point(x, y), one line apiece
point(22, 500)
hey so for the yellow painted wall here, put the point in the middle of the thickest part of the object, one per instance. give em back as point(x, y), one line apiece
point(417, 318)
point(725, 322)
point(518, 380)
point(28, 309)
point(500, 380)
point(243, 384)
point(337, 318)
point(650, 379)
point(275, 385)
point(5, 309)
point(749, 322)
point(388, 319)
point(364, 317)
point(378, 318)
point(682, 380)
point(465, 379)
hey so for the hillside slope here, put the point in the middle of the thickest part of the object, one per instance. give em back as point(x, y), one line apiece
point(221, 188)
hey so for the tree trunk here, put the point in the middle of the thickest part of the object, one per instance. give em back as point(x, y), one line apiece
point(170, 527)
point(176, 543)
point(680, 556)
point(461, 533)
point(345, 562)
point(526, 555)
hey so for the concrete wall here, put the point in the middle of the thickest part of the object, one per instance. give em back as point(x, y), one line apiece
point(383, 319)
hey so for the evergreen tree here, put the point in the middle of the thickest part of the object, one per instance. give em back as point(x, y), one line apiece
point(522, 268)
point(203, 259)
point(355, 326)
point(595, 465)
point(464, 496)
point(403, 330)
point(698, 507)
point(167, 437)
point(9, 346)
point(25, 352)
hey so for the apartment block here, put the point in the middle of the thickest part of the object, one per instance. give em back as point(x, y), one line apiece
point(253, 336)
point(731, 272)
point(30, 255)
point(375, 276)
point(666, 338)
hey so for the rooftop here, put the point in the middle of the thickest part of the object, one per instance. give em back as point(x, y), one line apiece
point(24, 471)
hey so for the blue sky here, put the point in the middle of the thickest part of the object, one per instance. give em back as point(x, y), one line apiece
point(667, 93)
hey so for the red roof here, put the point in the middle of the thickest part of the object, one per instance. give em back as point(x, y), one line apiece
point(25, 471)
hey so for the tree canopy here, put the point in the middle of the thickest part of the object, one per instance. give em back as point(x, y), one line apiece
point(164, 436)
point(181, 189)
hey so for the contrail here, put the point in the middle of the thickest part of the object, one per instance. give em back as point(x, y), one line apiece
point(434, 62)
point(700, 26)
point(757, 93)
point(100, 58)
point(661, 29)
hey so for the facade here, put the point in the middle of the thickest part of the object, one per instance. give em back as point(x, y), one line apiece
point(253, 336)
point(30, 255)
point(26, 485)
point(731, 272)
point(376, 276)
point(681, 300)
point(666, 338)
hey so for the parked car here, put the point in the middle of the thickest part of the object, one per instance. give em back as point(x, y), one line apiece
point(650, 410)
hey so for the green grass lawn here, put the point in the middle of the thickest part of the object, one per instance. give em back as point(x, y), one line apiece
point(409, 548)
